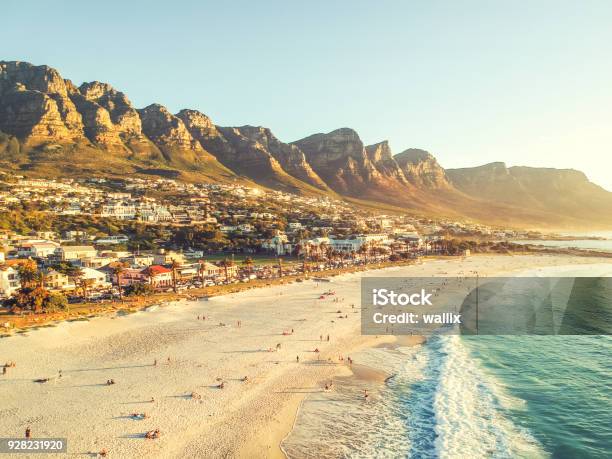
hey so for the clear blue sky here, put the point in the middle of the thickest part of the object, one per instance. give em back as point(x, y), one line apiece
point(525, 82)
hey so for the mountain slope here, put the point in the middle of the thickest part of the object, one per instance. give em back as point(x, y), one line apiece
point(256, 153)
point(50, 127)
point(565, 195)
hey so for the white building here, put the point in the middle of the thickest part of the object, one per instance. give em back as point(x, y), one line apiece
point(120, 210)
point(119, 239)
point(279, 244)
point(75, 252)
point(97, 278)
point(9, 281)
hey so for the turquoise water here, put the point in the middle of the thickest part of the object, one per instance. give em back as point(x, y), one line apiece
point(472, 397)
point(565, 388)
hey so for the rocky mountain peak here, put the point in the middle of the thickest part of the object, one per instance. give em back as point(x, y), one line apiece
point(422, 169)
point(165, 129)
point(198, 124)
point(34, 104)
point(379, 152)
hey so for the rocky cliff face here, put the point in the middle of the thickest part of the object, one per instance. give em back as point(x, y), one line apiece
point(165, 129)
point(290, 157)
point(421, 169)
point(121, 112)
point(348, 167)
point(382, 158)
point(35, 104)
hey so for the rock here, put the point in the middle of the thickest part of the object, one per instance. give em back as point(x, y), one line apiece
point(421, 169)
point(35, 104)
point(165, 129)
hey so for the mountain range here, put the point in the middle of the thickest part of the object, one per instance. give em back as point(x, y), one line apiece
point(51, 127)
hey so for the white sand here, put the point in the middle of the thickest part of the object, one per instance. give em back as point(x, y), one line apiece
point(243, 419)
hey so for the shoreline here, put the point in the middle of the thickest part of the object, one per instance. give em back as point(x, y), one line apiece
point(242, 420)
point(21, 323)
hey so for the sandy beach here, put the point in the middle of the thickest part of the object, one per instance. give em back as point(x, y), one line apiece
point(168, 363)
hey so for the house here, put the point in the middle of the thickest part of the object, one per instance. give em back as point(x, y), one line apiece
point(137, 260)
point(75, 252)
point(158, 276)
point(217, 271)
point(164, 257)
point(39, 249)
point(120, 210)
point(73, 235)
point(131, 276)
point(9, 281)
point(95, 278)
point(57, 281)
point(112, 240)
point(210, 270)
point(279, 244)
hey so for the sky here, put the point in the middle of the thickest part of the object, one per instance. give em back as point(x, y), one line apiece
point(523, 82)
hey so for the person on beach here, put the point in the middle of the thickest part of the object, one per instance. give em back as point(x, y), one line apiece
point(297, 359)
point(28, 432)
point(328, 338)
point(365, 394)
point(155, 362)
point(4, 370)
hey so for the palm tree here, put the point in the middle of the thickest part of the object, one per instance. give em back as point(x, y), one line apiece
point(117, 270)
point(174, 266)
point(201, 262)
point(40, 279)
point(85, 284)
point(226, 263)
point(248, 262)
point(75, 274)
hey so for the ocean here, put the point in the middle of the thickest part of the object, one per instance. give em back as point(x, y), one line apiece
point(603, 245)
point(470, 397)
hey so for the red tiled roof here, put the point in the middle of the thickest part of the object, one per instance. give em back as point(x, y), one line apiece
point(154, 270)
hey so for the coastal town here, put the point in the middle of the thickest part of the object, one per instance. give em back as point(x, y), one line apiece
point(73, 241)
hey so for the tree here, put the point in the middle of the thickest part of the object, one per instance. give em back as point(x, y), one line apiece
point(174, 266)
point(117, 271)
point(28, 273)
point(226, 263)
point(201, 264)
point(139, 289)
point(280, 266)
point(248, 263)
point(56, 301)
point(75, 274)
point(86, 284)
